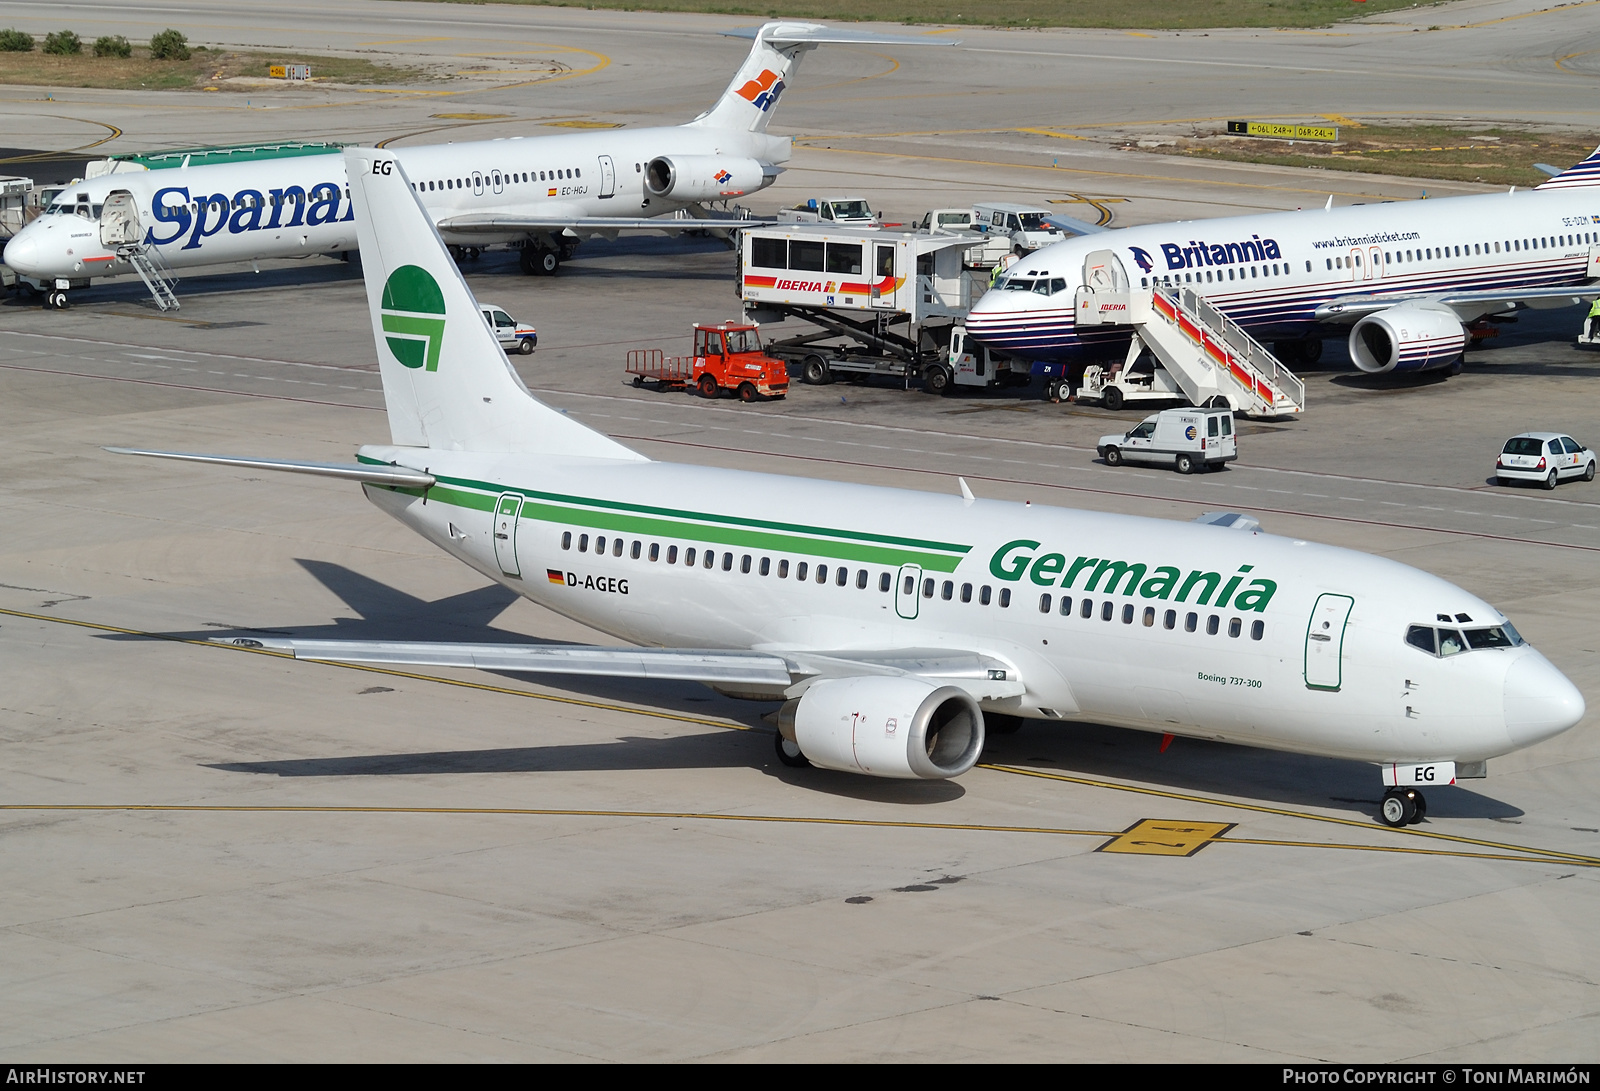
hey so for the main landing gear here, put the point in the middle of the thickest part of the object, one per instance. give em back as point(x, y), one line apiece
point(1402, 807)
point(538, 261)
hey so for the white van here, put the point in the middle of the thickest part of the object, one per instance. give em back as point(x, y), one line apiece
point(513, 336)
point(1186, 439)
point(1027, 226)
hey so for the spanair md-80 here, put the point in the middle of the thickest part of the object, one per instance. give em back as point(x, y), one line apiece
point(894, 624)
point(542, 194)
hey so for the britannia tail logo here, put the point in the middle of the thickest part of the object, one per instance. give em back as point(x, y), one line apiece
point(1141, 256)
point(763, 91)
point(413, 317)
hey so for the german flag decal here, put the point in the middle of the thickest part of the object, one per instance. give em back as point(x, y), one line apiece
point(555, 576)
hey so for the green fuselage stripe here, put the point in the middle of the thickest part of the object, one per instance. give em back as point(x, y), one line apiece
point(695, 516)
point(720, 533)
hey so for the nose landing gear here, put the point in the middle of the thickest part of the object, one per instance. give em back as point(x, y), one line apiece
point(1402, 807)
point(55, 300)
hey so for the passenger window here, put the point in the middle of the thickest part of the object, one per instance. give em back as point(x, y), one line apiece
point(616, 547)
point(1107, 610)
point(1235, 626)
point(1421, 636)
point(708, 559)
point(1005, 597)
point(841, 576)
point(1127, 613)
point(947, 592)
point(600, 543)
point(583, 543)
point(822, 573)
point(766, 566)
point(1212, 623)
point(672, 554)
point(927, 589)
point(983, 595)
point(885, 581)
point(1190, 620)
point(800, 571)
point(566, 540)
point(1066, 605)
point(1087, 609)
point(1149, 616)
point(655, 551)
point(1258, 629)
point(861, 580)
point(637, 546)
point(1169, 620)
point(783, 572)
point(744, 564)
point(966, 592)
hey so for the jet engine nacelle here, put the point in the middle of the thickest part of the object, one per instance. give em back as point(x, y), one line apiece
point(1408, 337)
point(705, 177)
point(886, 727)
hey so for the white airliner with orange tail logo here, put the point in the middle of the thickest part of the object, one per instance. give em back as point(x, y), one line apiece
point(891, 624)
point(543, 194)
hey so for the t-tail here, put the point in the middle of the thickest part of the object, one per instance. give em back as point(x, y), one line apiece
point(749, 101)
point(1586, 173)
point(446, 381)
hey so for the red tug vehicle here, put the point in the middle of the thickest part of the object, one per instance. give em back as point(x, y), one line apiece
point(727, 356)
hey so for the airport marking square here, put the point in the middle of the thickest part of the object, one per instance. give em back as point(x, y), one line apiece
point(1166, 837)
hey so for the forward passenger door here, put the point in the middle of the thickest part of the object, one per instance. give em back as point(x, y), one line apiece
point(1324, 667)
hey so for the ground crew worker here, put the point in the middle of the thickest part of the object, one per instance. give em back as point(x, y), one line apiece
point(1594, 320)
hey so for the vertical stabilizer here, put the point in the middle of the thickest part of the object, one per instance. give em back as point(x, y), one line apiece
point(1586, 173)
point(446, 380)
point(747, 105)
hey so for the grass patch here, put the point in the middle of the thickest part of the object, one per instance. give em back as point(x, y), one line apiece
point(1126, 15)
point(1502, 157)
point(204, 68)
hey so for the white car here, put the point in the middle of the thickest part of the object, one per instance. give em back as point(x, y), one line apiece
point(513, 336)
point(1545, 457)
point(1185, 439)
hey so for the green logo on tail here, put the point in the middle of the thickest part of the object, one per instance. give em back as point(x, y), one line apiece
point(410, 298)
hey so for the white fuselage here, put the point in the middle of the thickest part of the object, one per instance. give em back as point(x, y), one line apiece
point(1243, 657)
point(299, 205)
point(1282, 274)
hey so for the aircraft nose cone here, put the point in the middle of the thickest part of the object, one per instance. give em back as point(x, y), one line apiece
point(1539, 701)
point(21, 253)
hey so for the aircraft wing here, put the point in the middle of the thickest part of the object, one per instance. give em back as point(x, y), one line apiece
point(796, 33)
point(1468, 306)
point(489, 224)
point(788, 672)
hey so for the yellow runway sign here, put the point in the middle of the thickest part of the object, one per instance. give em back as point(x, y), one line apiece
point(1328, 133)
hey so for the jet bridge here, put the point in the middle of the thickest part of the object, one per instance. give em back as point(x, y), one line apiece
point(1207, 355)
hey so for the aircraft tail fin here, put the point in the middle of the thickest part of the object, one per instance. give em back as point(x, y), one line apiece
point(748, 102)
point(447, 383)
point(1586, 173)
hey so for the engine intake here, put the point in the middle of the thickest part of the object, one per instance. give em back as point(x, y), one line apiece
point(705, 177)
point(886, 727)
point(1408, 337)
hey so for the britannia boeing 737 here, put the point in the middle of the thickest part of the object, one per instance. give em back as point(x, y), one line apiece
point(1406, 280)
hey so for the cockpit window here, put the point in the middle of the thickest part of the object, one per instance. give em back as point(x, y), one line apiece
point(1018, 284)
point(1447, 642)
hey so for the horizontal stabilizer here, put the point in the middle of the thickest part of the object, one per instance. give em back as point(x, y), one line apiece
point(349, 471)
point(750, 668)
point(1075, 226)
point(814, 34)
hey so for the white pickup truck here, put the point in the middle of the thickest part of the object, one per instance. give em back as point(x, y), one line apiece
point(1185, 439)
point(513, 336)
point(844, 211)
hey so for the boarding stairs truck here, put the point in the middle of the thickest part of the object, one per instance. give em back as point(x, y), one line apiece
point(1183, 348)
point(883, 303)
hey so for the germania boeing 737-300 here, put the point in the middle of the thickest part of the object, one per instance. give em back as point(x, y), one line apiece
point(544, 194)
point(893, 624)
point(1406, 279)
